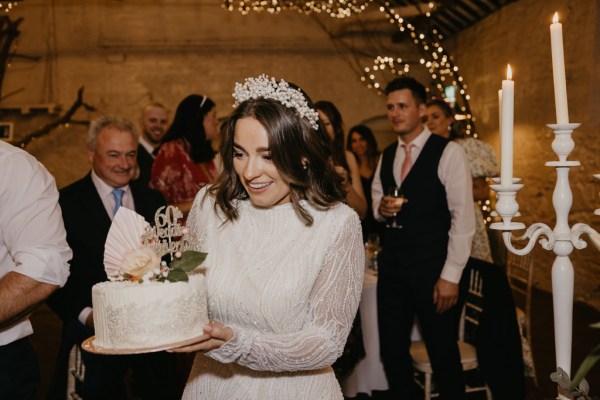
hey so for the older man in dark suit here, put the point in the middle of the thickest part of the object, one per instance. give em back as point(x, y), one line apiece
point(88, 207)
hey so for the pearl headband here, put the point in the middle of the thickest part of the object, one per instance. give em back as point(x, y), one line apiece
point(269, 88)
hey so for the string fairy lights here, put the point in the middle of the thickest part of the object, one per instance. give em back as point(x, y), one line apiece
point(436, 60)
point(334, 8)
point(441, 67)
point(380, 66)
point(7, 6)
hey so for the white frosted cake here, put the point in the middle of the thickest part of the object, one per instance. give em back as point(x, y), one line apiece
point(129, 315)
point(147, 304)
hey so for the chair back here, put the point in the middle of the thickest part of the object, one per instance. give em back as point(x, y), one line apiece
point(519, 270)
point(473, 307)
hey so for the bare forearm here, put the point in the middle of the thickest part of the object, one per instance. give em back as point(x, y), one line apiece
point(19, 295)
point(357, 202)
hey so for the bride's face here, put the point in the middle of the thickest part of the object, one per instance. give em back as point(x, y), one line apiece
point(254, 166)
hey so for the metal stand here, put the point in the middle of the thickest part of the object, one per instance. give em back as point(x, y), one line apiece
point(562, 239)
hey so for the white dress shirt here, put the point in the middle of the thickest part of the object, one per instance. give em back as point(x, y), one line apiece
point(455, 174)
point(32, 233)
point(105, 193)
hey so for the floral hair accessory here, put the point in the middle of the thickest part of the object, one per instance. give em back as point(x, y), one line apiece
point(269, 88)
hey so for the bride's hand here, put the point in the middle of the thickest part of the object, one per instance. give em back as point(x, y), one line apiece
point(215, 334)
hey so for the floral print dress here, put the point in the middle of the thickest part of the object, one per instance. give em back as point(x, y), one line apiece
point(177, 176)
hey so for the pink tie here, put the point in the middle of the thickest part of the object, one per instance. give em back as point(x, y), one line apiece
point(407, 161)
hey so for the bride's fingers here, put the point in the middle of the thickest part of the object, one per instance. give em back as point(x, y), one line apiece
point(206, 345)
point(218, 331)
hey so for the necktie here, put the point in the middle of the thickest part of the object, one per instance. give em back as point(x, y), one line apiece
point(407, 163)
point(118, 195)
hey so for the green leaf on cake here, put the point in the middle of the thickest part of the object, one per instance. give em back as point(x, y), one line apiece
point(189, 261)
point(177, 275)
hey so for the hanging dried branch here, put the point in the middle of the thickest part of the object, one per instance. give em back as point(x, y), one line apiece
point(64, 119)
point(9, 31)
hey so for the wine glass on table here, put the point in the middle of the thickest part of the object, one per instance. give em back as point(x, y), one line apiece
point(396, 193)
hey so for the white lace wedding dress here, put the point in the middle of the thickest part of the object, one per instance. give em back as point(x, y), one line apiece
point(288, 291)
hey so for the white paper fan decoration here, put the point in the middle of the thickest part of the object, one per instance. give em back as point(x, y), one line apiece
point(124, 235)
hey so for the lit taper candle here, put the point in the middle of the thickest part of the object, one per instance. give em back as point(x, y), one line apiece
point(500, 111)
point(506, 126)
point(558, 70)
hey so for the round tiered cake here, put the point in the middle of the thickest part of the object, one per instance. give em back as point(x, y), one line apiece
point(133, 316)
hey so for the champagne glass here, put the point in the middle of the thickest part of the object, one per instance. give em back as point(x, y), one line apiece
point(395, 192)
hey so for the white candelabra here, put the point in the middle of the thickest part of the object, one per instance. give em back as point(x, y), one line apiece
point(562, 239)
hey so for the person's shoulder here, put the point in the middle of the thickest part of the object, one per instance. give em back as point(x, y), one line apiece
point(142, 151)
point(144, 192)
point(454, 147)
point(342, 213)
point(76, 186)
point(12, 154)
point(71, 196)
point(205, 196)
point(170, 147)
point(8, 149)
point(350, 157)
point(390, 146)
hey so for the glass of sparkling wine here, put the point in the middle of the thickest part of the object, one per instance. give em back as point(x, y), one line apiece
point(395, 192)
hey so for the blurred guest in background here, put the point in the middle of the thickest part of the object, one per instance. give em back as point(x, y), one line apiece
point(185, 161)
point(361, 142)
point(483, 164)
point(154, 122)
point(344, 161)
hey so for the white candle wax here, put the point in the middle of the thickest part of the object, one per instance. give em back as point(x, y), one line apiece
point(558, 70)
point(500, 111)
point(506, 124)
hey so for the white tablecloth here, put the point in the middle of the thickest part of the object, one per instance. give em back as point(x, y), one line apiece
point(368, 375)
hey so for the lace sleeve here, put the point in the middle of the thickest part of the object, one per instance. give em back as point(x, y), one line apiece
point(332, 306)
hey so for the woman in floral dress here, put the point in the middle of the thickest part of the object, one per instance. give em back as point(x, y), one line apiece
point(185, 161)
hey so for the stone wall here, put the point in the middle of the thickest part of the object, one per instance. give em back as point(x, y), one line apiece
point(519, 34)
point(127, 53)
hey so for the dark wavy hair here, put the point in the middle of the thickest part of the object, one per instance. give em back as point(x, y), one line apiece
point(188, 124)
point(338, 148)
point(448, 112)
point(372, 151)
point(293, 142)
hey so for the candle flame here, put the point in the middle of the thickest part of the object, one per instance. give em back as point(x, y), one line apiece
point(509, 73)
point(555, 18)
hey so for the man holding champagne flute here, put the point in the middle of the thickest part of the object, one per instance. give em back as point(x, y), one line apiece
point(426, 243)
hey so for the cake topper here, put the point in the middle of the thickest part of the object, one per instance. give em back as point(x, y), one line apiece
point(134, 249)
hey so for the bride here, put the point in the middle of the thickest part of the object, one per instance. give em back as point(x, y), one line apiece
point(285, 259)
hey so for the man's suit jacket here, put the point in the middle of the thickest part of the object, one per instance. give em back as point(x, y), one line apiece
point(87, 224)
point(145, 161)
